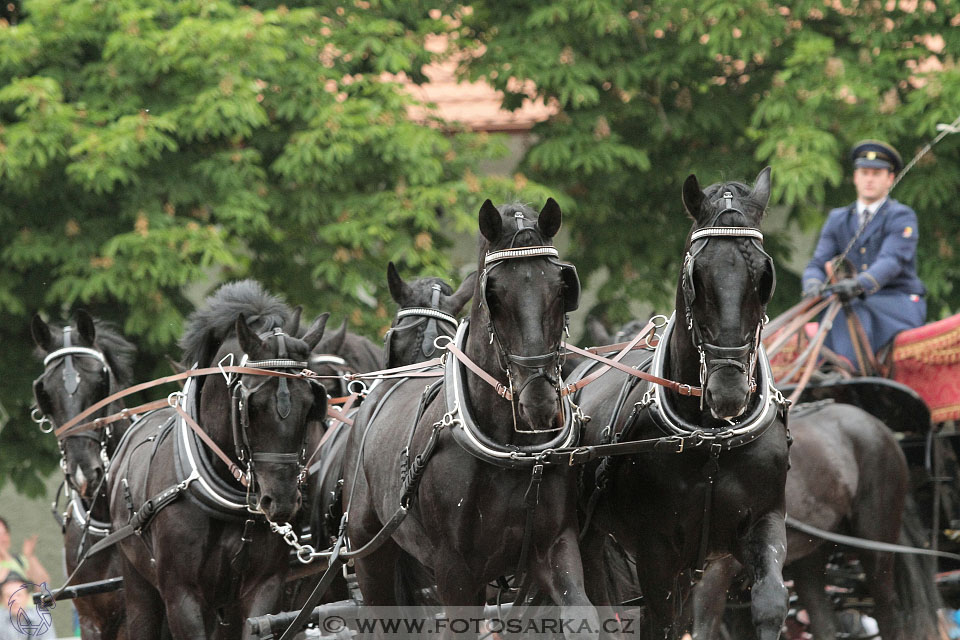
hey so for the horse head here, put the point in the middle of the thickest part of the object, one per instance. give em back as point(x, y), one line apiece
point(260, 419)
point(428, 309)
point(726, 281)
point(521, 303)
point(83, 363)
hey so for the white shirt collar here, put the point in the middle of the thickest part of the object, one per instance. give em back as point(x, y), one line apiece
point(870, 208)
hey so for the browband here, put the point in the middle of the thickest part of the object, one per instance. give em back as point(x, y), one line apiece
point(424, 311)
point(524, 252)
point(739, 232)
point(74, 351)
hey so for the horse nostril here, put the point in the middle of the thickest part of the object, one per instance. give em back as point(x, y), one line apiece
point(265, 503)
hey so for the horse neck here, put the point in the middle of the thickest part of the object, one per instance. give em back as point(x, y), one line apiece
point(683, 366)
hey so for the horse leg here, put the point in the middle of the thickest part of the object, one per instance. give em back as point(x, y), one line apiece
point(595, 578)
point(560, 575)
point(189, 616)
point(144, 607)
point(763, 553)
point(879, 568)
point(809, 574)
point(659, 572)
point(710, 597)
point(263, 600)
point(377, 576)
point(458, 591)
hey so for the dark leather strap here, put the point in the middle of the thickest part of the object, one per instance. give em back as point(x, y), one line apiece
point(231, 465)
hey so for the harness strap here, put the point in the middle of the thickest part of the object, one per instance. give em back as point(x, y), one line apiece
point(682, 389)
point(334, 425)
point(138, 521)
point(712, 467)
point(76, 420)
point(406, 371)
point(643, 335)
point(231, 465)
point(860, 543)
point(530, 501)
point(502, 390)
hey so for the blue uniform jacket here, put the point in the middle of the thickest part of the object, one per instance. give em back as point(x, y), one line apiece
point(885, 257)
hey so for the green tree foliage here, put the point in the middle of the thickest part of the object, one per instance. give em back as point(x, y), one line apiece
point(148, 145)
point(650, 92)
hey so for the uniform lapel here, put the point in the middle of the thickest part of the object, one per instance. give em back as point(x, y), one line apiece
point(876, 223)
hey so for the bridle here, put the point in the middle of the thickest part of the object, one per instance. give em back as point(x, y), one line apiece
point(546, 365)
point(429, 318)
point(71, 383)
point(714, 357)
point(240, 395)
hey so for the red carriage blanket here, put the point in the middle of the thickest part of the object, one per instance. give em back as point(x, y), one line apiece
point(927, 359)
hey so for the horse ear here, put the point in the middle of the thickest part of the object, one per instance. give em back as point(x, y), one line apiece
point(249, 341)
point(40, 331)
point(491, 225)
point(761, 189)
point(292, 325)
point(598, 332)
point(315, 332)
point(400, 291)
point(85, 326)
point(463, 294)
point(550, 218)
point(692, 196)
point(335, 343)
point(177, 367)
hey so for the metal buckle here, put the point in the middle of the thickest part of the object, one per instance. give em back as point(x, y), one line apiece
point(570, 460)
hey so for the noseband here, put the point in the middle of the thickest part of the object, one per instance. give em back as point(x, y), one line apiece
point(714, 357)
point(430, 316)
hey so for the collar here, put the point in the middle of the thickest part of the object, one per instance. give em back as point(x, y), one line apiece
point(475, 442)
point(741, 430)
point(870, 208)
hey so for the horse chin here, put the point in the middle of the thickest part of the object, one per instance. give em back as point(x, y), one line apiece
point(281, 509)
point(726, 398)
point(540, 410)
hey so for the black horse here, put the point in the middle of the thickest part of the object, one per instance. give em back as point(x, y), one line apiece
point(84, 362)
point(714, 482)
point(848, 475)
point(479, 443)
point(428, 309)
point(206, 557)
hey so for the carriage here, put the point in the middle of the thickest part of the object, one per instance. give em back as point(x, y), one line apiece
point(726, 437)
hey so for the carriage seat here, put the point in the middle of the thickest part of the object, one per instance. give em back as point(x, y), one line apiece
point(927, 359)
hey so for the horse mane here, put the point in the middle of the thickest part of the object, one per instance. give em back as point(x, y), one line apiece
point(118, 351)
point(210, 325)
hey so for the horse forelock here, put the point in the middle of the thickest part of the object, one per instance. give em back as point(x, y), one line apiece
point(211, 325)
point(742, 193)
point(530, 236)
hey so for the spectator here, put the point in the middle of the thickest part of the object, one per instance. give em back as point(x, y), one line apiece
point(24, 563)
